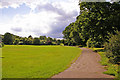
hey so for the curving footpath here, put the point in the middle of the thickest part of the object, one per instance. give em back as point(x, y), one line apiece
point(86, 66)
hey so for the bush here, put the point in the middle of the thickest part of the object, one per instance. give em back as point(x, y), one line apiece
point(112, 48)
point(49, 43)
point(61, 44)
point(2, 44)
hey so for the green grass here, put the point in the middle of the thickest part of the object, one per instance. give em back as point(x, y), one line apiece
point(27, 61)
point(0, 63)
point(112, 69)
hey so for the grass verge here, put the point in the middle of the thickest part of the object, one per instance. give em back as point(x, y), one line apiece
point(112, 69)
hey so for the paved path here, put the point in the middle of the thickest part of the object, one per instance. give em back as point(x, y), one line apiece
point(86, 66)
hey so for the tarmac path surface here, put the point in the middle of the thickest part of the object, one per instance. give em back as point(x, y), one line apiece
point(86, 66)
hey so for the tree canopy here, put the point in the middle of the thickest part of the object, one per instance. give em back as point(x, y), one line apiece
point(11, 39)
point(95, 22)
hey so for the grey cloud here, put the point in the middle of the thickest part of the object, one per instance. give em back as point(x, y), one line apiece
point(50, 7)
point(69, 16)
point(64, 20)
point(5, 3)
point(16, 29)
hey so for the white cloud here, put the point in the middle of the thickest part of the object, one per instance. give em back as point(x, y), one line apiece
point(50, 19)
point(33, 22)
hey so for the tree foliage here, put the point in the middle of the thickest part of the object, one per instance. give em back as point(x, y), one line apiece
point(36, 41)
point(112, 48)
point(93, 25)
point(11, 39)
point(8, 38)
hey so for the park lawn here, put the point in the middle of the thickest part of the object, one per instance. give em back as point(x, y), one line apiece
point(0, 63)
point(28, 61)
point(112, 69)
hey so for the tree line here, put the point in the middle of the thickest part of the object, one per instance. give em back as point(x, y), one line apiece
point(97, 20)
point(98, 25)
point(11, 39)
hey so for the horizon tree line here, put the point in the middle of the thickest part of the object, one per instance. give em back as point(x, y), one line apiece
point(11, 39)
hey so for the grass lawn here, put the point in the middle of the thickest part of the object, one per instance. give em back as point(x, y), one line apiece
point(0, 63)
point(112, 69)
point(27, 61)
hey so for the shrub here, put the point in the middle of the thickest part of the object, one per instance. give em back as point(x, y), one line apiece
point(2, 44)
point(112, 48)
point(49, 43)
point(61, 44)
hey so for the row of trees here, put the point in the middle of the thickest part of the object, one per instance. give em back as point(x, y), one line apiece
point(98, 25)
point(11, 39)
point(97, 20)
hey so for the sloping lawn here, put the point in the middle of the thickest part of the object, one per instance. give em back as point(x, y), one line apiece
point(27, 61)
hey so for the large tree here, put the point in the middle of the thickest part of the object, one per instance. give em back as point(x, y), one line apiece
point(95, 22)
point(8, 39)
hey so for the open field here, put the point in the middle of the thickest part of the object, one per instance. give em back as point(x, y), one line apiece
point(36, 61)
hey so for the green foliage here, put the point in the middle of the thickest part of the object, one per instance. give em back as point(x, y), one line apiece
point(72, 36)
point(49, 39)
point(49, 43)
point(43, 38)
point(93, 25)
point(58, 42)
point(93, 43)
point(36, 41)
point(28, 61)
point(16, 41)
point(2, 44)
point(8, 38)
point(112, 48)
point(112, 69)
point(61, 44)
point(11, 39)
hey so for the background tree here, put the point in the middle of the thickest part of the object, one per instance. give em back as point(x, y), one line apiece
point(36, 41)
point(8, 39)
point(43, 37)
point(16, 41)
point(29, 40)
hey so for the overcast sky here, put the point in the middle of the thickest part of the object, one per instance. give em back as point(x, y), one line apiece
point(37, 17)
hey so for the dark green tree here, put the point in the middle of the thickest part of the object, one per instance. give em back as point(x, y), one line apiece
point(49, 39)
point(93, 25)
point(8, 38)
point(43, 37)
point(36, 41)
